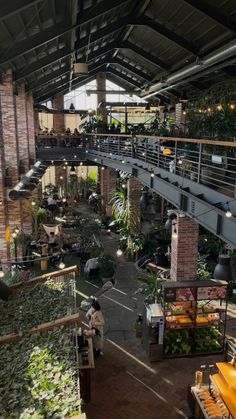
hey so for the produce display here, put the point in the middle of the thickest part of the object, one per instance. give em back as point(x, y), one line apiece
point(38, 373)
point(193, 325)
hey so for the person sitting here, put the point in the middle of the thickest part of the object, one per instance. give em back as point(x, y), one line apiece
point(91, 267)
point(67, 130)
point(52, 241)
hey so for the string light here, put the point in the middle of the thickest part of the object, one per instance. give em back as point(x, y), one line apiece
point(75, 156)
point(232, 106)
point(228, 213)
point(123, 161)
point(61, 265)
point(119, 252)
point(152, 174)
point(219, 107)
point(102, 168)
point(33, 203)
point(81, 163)
point(208, 109)
point(61, 177)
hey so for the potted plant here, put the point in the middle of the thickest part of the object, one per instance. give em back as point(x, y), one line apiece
point(106, 264)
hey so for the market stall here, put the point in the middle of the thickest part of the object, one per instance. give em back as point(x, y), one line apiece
point(217, 399)
point(189, 320)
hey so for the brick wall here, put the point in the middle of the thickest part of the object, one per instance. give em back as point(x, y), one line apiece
point(17, 127)
point(108, 187)
point(58, 119)
point(30, 123)
point(184, 249)
point(22, 127)
point(101, 97)
point(134, 188)
point(179, 113)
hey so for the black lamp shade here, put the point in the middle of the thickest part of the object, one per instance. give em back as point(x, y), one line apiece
point(223, 270)
point(148, 107)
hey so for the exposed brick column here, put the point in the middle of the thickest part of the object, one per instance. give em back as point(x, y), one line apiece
point(30, 124)
point(134, 188)
point(10, 158)
point(101, 97)
point(108, 187)
point(184, 248)
point(23, 115)
point(179, 113)
point(22, 127)
point(36, 122)
point(58, 118)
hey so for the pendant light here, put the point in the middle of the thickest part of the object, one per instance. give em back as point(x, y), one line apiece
point(223, 269)
point(72, 108)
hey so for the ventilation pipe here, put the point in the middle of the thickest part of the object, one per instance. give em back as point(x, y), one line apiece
point(28, 182)
point(211, 59)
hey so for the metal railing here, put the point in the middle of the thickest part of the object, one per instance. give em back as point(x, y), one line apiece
point(208, 162)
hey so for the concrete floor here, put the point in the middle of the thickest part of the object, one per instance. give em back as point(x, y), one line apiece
point(125, 385)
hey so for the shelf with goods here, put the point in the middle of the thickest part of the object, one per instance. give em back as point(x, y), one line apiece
point(218, 399)
point(194, 317)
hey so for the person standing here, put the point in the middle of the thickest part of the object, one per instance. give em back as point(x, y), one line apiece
point(96, 324)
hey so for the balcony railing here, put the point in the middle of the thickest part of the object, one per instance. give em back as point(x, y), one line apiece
point(207, 162)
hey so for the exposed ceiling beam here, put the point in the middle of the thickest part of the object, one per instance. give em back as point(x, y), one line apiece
point(38, 82)
point(149, 57)
point(168, 34)
point(73, 35)
point(224, 20)
point(53, 33)
point(55, 57)
point(101, 33)
point(62, 86)
point(123, 76)
point(131, 68)
point(9, 8)
point(50, 59)
point(98, 10)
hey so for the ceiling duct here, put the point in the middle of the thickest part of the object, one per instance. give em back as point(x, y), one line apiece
point(28, 182)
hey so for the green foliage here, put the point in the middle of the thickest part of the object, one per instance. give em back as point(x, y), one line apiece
point(202, 272)
point(107, 265)
point(38, 376)
point(206, 120)
point(177, 342)
point(119, 203)
point(34, 305)
point(152, 288)
point(42, 216)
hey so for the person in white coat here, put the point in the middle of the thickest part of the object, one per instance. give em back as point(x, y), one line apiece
point(96, 324)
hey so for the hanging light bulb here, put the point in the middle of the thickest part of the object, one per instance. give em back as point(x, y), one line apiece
point(219, 107)
point(75, 156)
point(232, 106)
point(61, 265)
point(119, 252)
point(81, 163)
point(228, 213)
point(33, 203)
point(102, 168)
point(61, 177)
